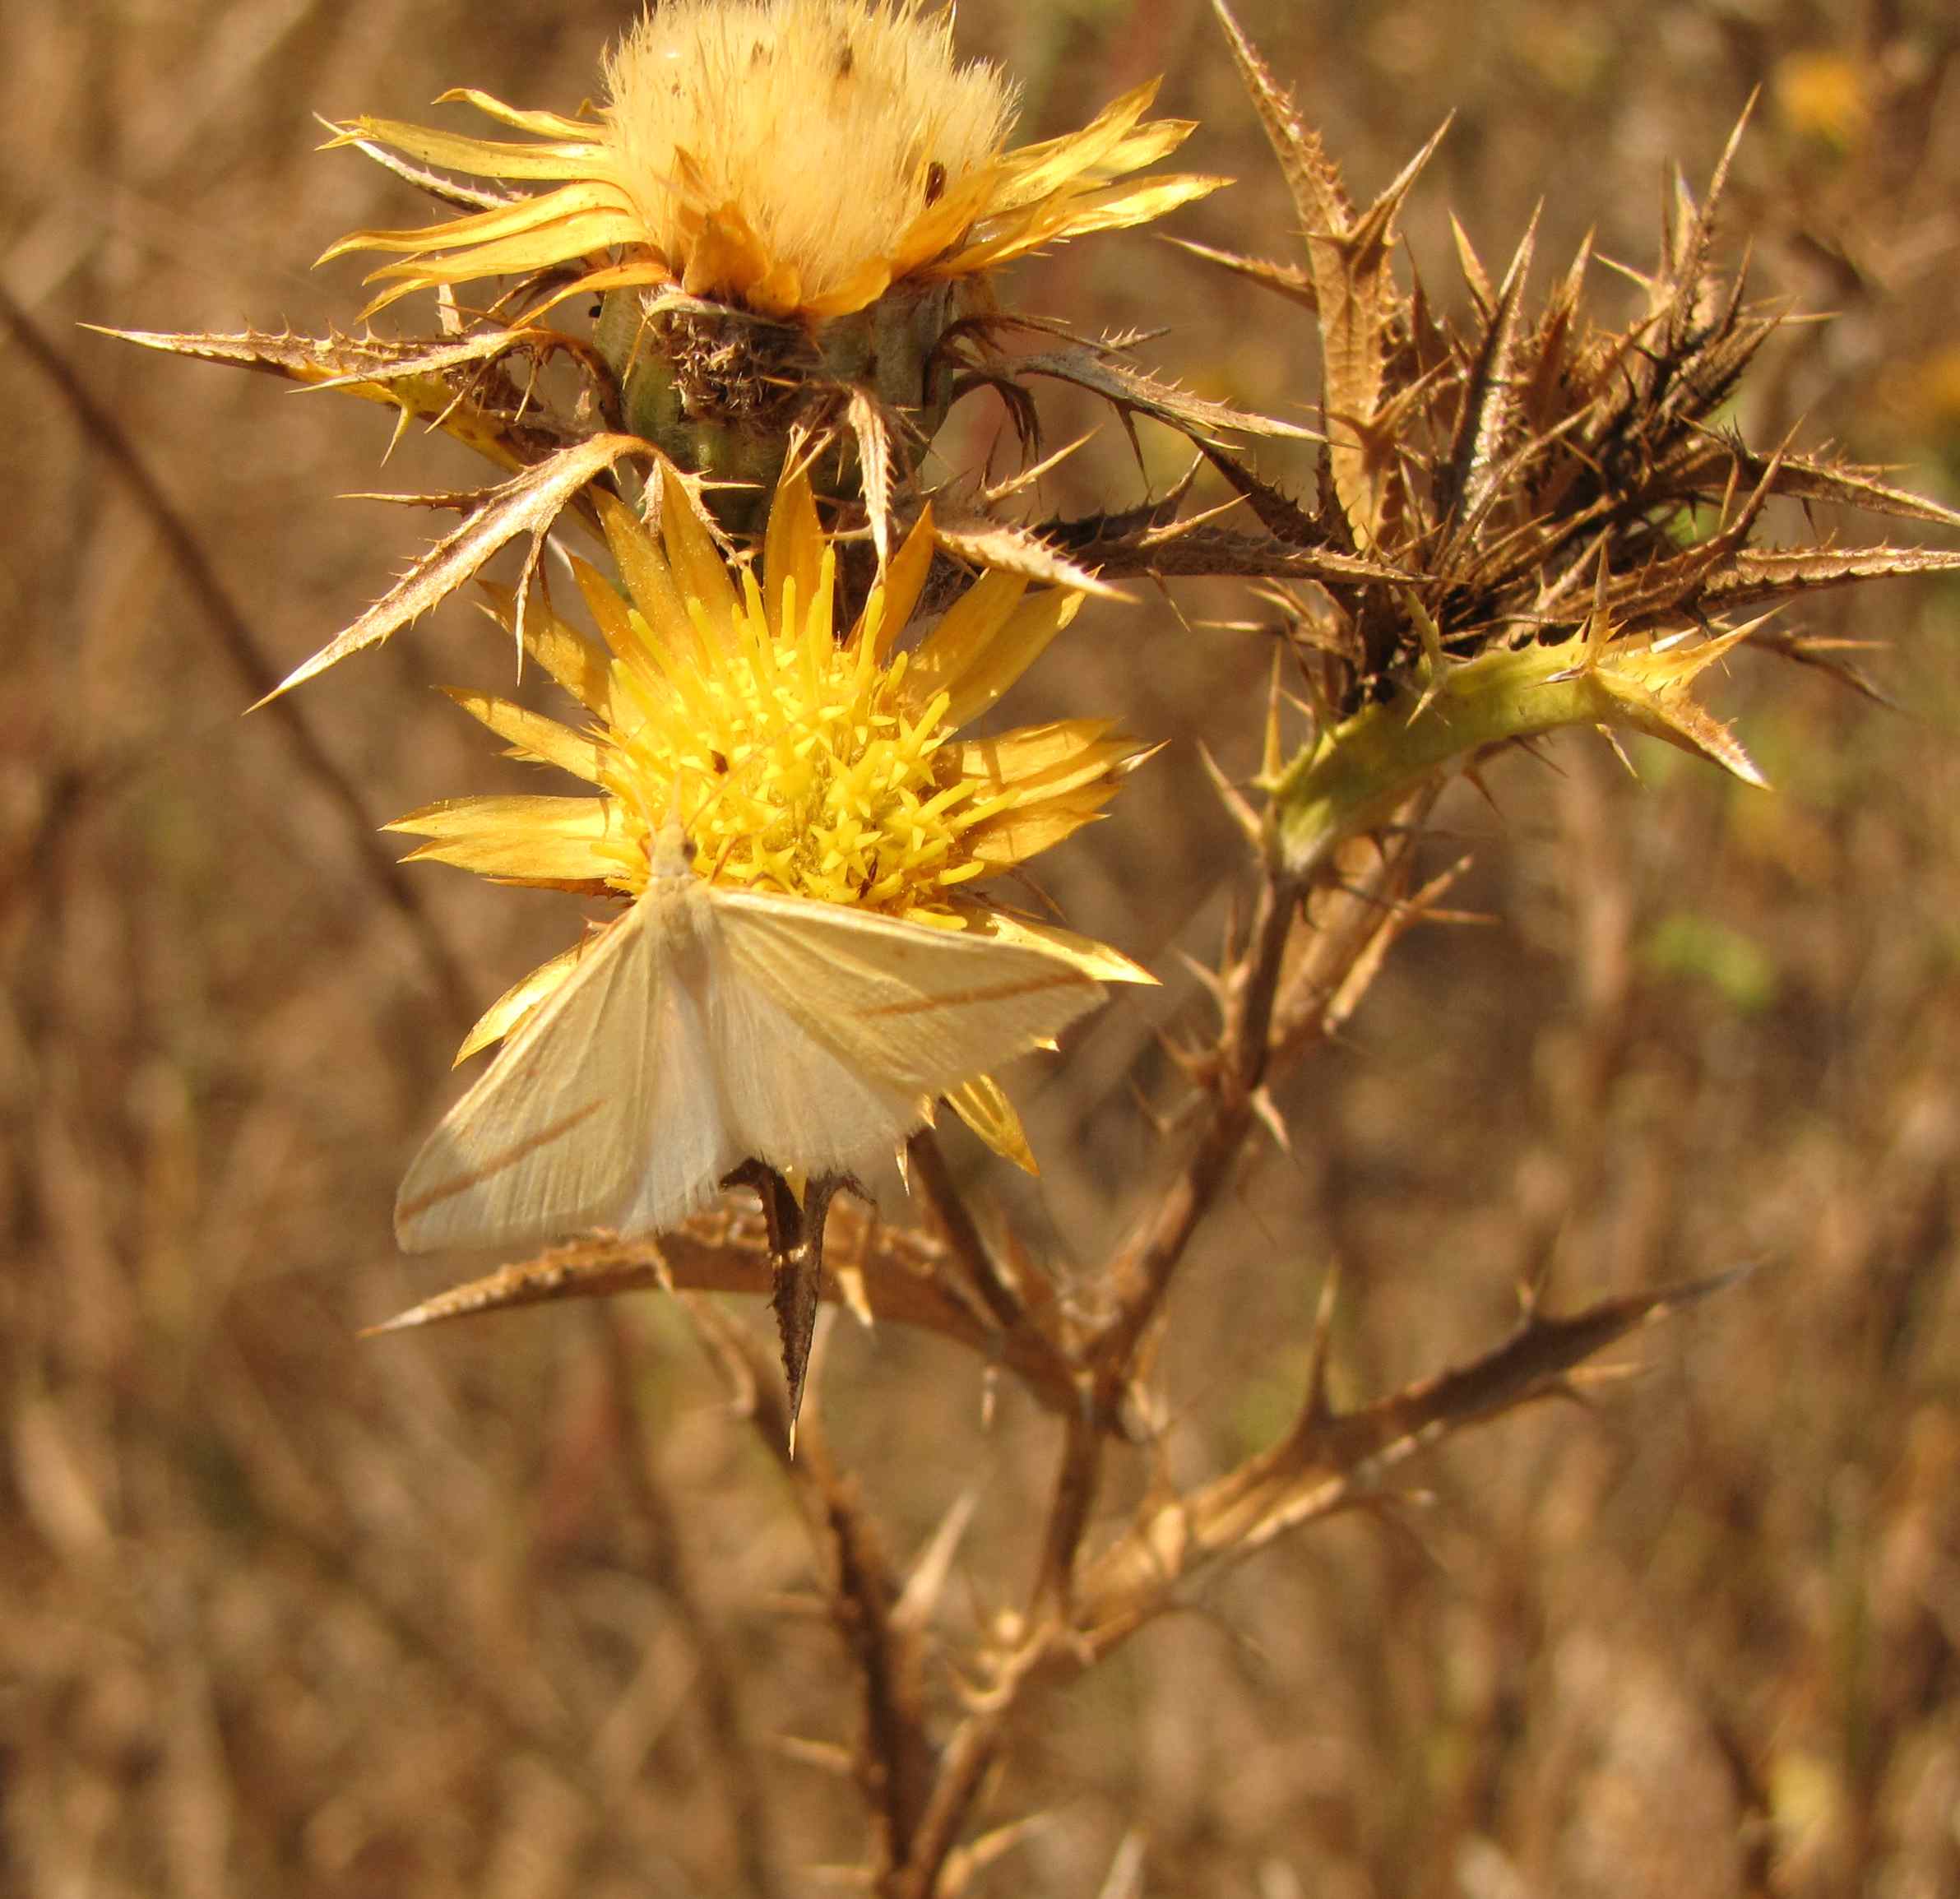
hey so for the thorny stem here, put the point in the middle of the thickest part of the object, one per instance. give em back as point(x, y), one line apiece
point(895, 1758)
point(926, 1164)
point(1142, 1273)
point(1142, 1276)
point(908, 1277)
point(99, 426)
point(1023, 1334)
point(1076, 1485)
point(894, 1755)
point(1327, 1462)
point(962, 1768)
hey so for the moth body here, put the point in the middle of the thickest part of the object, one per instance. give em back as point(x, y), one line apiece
point(709, 1025)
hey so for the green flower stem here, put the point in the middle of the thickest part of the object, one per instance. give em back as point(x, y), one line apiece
point(723, 395)
point(1355, 776)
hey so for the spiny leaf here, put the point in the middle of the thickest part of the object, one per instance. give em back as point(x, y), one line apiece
point(1348, 258)
point(1331, 1461)
point(528, 503)
point(1490, 400)
point(1018, 550)
point(1319, 202)
point(1827, 655)
point(430, 379)
point(871, 427)
point(1758, 574)
point(1809, 478)
point(1288, 280)
point(1105, 374)
point(313, 360)
point(1279, 514)
point(1207, 549)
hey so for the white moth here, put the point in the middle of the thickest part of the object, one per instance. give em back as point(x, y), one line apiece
point(709, 1025)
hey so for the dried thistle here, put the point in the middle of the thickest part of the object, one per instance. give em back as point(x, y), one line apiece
point(1567, 517)
point(788, 207)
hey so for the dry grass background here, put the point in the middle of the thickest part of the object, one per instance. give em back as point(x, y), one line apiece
point(286, 1613)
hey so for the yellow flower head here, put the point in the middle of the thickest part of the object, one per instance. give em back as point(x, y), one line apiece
point(796, 762)
point(797, 157)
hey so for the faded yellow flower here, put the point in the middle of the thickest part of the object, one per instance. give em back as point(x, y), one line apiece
point(795, 761)
point(796, 157)
point(1825, 95)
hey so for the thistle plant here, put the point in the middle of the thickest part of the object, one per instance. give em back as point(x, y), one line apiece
point(1523, 520)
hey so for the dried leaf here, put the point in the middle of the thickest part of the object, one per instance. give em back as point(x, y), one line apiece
point(434, 380)
point(1003, 547)
point(1288, 280)
point(1758, 574)
point(1102, 372)
point(528, 503)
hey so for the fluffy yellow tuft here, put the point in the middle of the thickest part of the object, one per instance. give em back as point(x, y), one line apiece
point(796, 157)
point(823, 133)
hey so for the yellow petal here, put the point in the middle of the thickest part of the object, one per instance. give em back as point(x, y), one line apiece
point(1011, 757)
point(792, 548)
point(480, 157)
point(1073, 214)
point(528, 840)
point(1146, 144)
point(864, 285)
point(543, 124)
point(648, 578)
point(523, 996)
point(609, 607)
point(483, 229)
point(696, 566)
point(575, 659)
point(1039, 169)
point(940, 226)
point(983, 1104)
point(962, 634)
point(1093, 958)
point(544, 740)
point(538, 247)
point(904, 580)
point(725, 257)
point(983, 656)
point(1012, 837)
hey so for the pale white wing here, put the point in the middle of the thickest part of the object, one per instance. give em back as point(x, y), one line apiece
point(906, 1011)
point(791, 1099)
point(602, 1110)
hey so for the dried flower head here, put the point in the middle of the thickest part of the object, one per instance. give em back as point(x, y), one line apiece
point(1570, 520)
point(796, 762)
point(796, 157)
point(787, 206)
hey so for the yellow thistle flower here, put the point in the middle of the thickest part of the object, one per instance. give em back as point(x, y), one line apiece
point(796, 157)
point(797, 762)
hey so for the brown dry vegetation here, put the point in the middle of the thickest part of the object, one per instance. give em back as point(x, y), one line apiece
point(520, 1607)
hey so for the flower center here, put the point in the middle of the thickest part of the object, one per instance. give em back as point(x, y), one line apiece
point(797, 763)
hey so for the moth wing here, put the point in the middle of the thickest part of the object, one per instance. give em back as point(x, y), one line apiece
point(793, 1100)
point(601, 1110)
point(910, 1010)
